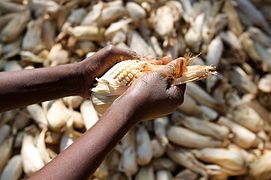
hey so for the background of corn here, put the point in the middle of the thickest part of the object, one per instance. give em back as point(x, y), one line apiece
point(221, 130)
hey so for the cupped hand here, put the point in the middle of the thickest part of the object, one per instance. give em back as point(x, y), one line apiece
point(97, 64)
point(153, 95)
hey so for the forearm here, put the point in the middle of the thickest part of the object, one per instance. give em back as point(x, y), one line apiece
point(26, 87)
point(81, 159)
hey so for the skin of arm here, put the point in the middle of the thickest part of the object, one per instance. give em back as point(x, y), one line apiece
point(21, 88)
point(150, 96)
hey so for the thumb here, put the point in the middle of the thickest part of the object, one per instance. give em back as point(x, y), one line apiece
point(176, 93)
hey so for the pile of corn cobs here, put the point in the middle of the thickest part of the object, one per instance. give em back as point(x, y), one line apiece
point(221, 130)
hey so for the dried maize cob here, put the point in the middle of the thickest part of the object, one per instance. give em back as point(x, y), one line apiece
point(115, 81)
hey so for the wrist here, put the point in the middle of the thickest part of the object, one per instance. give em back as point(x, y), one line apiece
point(86, 78)
point(131, 104)
point(79, 79)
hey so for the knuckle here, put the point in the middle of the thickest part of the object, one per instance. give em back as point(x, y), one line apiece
point(110, 49)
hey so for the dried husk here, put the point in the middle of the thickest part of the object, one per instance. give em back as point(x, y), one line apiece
point(164, 163)
point(260, 169)
point(191, 139)
point(57, 115)
point(160, 125)
point(32, 40)
point(13, 169)
point(4, 132)
point(6, 150)
point(203, 97)
point(89, 114)
point(15, 27)
point(128, 163)
point(187, 174)
point(187, 160)
point(143, 146)
point(38, 115)
point(201, 126)
point(31, 158)
point(242, 136)
point(145, 172)
point(227, 159)
point(247, 117)
point(158, 149)
point(163, 175)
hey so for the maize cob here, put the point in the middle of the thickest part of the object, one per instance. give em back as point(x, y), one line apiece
point(145, 172)
point(4, 132)
point(231, 160)
point(187, 138)
point(186, 159)
point(5, 151)
point(31, 158)
point(144, 148)
point(203, 127)
point(163, 175)
point(157, 149)
point(13, 169)
point(115, 81)
point(164, 163)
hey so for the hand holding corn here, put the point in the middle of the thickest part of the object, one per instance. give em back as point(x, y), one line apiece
point(121, 76)
point(152, 94)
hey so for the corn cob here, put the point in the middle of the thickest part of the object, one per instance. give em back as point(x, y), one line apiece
point(115, 81)
point(13, 169)
point(231, 160)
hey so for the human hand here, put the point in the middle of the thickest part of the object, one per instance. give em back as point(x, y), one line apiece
point(152, 94)
point(97, 64)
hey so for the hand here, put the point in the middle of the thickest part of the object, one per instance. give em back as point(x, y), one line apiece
point(153, 96)
point(96, 65)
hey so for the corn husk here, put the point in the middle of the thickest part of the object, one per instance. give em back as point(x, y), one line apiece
point(164, 163)
point(6, 150)
point(32, 39)
point(144, 148)
point(260, 169)
point(42, 147)
point(73, 101)
point(18, 139)
point(203, 98)
point(158, 149)
point(38, 115)
point(225, 158)
point(57, 115)
point(187, 159)
point(163, 175)
point(4, 132)
point(89, 114)
point(201, 126)
point(128, 163)
point(65, 142)
point(187, 174)
point(13, 169)
point(31, 158)
point(145, 172)
point(15, 27)
point(191, 139)
point(242, 136)
point(247, 117)
point(160, 125)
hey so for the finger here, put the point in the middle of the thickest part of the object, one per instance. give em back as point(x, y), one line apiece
point(176, 93)
point(174, 69)
point(123, 54)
